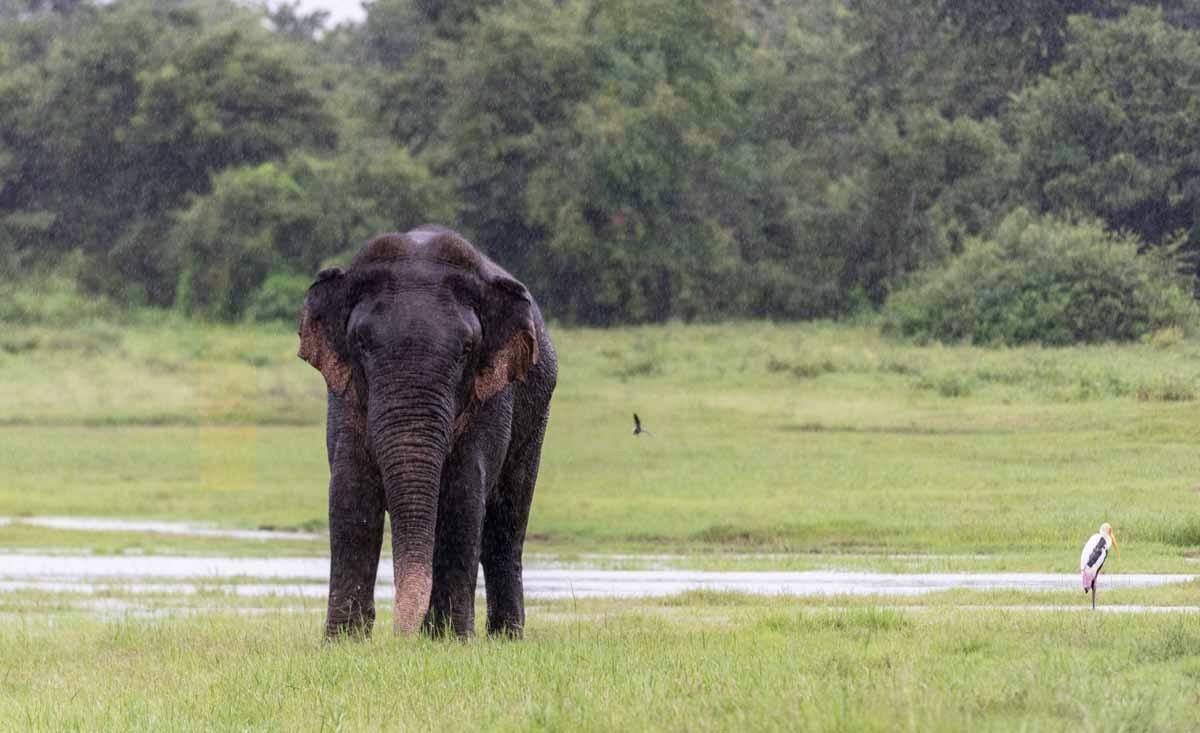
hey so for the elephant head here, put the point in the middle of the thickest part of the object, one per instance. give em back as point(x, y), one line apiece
point(413, 337)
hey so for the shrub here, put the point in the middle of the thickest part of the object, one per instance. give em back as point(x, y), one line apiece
point(229, 240)
point(50, 295)
point(1046, 280)
point(278, 298)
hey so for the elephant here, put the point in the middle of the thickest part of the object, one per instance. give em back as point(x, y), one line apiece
point(439, 373)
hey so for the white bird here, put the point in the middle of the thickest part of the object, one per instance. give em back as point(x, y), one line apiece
point(1095, 552)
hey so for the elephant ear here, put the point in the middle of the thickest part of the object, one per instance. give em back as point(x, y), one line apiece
point(322, 326)
point(510, 343)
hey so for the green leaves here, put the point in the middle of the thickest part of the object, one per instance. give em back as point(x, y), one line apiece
point(286, 220)
point(1045, 280)
point(137, 111)
point(632, 160)
point(1111, 130)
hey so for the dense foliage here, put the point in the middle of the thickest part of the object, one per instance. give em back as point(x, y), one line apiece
point(631, 160)
point(1048, 281)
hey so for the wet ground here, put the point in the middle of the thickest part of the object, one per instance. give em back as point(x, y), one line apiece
point(91, 578)
point(307, 577)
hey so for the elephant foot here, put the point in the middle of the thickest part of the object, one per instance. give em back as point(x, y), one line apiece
point(355, 624)
point(440, 624)
point(348, 630)
point(506, 629)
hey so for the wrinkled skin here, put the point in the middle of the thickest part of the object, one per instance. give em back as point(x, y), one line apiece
point(440, 374)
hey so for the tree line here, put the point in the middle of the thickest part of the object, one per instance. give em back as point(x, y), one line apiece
point(630, 160)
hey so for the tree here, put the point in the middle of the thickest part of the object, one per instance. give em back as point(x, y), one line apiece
point(394, 31)
point(22, 224)
point(139, 111)
point(613, 193)
point(1111, 131)
point(226, 243)
point(913, 194)
point(769, 184)
point(451, 17)
point(531, 64)
point(287, 220)
point(289, 19)
point(967, 57)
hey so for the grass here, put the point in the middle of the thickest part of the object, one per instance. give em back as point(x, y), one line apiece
point(775, 447)
point(768, 665)
point(175, 372)
point(30, 538)
point(811, 440)
point(818, 441)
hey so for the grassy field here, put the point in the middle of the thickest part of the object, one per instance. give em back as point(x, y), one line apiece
point(697, 663)
point(774, 447)
point(826, 443)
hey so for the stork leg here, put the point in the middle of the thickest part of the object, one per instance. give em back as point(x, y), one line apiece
point(1093, 596)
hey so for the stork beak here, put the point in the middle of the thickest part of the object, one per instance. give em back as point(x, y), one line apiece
point(1112, 535)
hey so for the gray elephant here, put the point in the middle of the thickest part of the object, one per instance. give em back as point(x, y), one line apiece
point(440, 373)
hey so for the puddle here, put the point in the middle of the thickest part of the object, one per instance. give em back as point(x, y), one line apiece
point(188, 529)
point(668, 561)
point(558, 583)
point(150, 574)
point(1083, 607)
point(243, 590)
point(110, 568)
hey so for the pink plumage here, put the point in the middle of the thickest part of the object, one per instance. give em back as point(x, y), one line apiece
point(1089, 577)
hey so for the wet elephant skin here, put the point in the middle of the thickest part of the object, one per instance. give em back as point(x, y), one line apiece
point(439, 373)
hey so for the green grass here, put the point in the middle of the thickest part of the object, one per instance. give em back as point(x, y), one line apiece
point(829, 444)
point(768, 665)
point(774, 447)
point(31, 538)
point(176, 372)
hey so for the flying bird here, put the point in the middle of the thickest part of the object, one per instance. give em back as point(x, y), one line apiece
point(637, 426)
point(1095, 552)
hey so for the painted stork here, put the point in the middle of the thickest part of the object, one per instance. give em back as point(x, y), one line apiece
point(1095, 552)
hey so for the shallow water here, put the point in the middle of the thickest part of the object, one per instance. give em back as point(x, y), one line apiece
point(170, 575)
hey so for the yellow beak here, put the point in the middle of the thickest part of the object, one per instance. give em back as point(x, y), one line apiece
point(1112, 535)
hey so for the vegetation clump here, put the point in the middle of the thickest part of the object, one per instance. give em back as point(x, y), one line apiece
point(632, 161)
point(1048, 280)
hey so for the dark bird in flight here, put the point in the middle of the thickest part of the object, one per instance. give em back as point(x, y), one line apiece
point(637, 426)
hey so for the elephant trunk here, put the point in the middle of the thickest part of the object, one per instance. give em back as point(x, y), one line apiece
point(410, 439)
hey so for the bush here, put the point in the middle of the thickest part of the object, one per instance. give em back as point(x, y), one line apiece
point(229, 240)
point(1046, 280)
point(292, 216)
point(50, 295)
point(279, 298)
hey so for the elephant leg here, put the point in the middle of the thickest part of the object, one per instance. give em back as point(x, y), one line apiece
point(474, 460)
point(356, 506)
point(456, 549)
point(472, 467)
point(506, 518)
